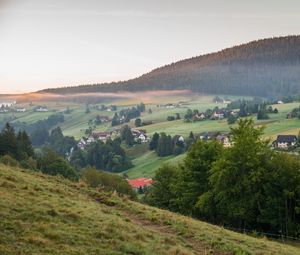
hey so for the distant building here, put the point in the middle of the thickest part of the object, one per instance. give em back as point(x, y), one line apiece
point(224, 140)
point(285, 141)
point(140, 183)
point(41, 109)
point(102, 135)
point(104, 118)
point(140, 134)
point(21, 110)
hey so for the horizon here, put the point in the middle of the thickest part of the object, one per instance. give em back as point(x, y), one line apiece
point(89, 50)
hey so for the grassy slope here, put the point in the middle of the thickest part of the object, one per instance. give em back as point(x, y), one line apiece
point(147, 164)
point(48, 215)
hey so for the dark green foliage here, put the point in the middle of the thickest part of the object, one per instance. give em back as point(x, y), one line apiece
point(126, 135)
point(231, 119)
point(38, 131)
point(8, 141)
point(189, 115)
point(8, 160)
point(24, 145)
point(17, 146)
point(255, 68)
point(193, 178)
point(60, 143)
point(170, 118)
point(164, 145)
point(154, 141)
point(161, 192)
point(262, 113)
point(49, 162)
point(141, 107)
point(138, 122)
point(39, 137)
point(107, 182)
point(246, 186)
point(107, 156)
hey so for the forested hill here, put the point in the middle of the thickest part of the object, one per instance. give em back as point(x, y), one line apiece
point(264, 67)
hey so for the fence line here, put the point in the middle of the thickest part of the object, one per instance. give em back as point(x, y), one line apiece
point(283, 237)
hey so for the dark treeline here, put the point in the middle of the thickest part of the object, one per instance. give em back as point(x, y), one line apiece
point(125, 115)
point(108, 156)
point(166, 145)
point(39, 130)
point(246, 186)
point(262, 68)
point(17, 150)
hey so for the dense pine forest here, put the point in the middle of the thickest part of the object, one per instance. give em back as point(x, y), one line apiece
point(268, 67)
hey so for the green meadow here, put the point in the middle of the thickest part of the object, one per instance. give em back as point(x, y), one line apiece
point(42, 214)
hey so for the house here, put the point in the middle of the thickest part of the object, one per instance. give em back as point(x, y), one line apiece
point(21, 110)
point(41, 109)
point(199, 116)
point(279, 102)
point(102, 135)
point(224, 140)
point(285, 141)
point(140, 134)
point(103, 118)
point(208, 135)
point(170, 106)
point(140, 183)
point(90, 140)
point(81, 144)
point(217, 116)
point(178, 138)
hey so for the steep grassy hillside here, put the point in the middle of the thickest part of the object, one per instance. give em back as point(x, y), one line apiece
point(263, 68)
point(49, 215)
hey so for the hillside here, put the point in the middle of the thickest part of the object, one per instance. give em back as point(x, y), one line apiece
point(49, 215)
point(268, 67)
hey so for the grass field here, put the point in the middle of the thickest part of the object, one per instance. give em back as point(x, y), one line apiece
point(147, 164)
point(49, 215)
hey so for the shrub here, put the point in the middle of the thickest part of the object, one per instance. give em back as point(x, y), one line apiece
point(9, 161)
point(109, 182)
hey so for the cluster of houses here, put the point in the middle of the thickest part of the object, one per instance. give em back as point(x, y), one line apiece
point(170, 105)
point(222, 138)
point(110, 108)
point(138, 134)
point(218, 114)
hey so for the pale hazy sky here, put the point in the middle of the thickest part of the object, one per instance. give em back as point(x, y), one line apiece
point(51, 43)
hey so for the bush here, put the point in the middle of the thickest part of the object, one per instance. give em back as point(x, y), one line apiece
point(9, 161)
point(109, 182)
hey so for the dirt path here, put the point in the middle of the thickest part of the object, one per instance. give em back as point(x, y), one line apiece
point(197, 246)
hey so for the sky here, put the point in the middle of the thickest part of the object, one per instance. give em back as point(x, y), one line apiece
point(54, 43)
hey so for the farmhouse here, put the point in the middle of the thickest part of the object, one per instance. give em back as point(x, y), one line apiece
point(41, 109)
point(285, 141)
point(140, 134)
point(224, 140)
point(140, 183)
point(21, 110)
point(217, 116)
point(199, 116)
point(103, 118)
point(101, 135)
point(81, 144)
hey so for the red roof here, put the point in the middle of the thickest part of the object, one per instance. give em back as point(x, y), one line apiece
point(140, 182)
